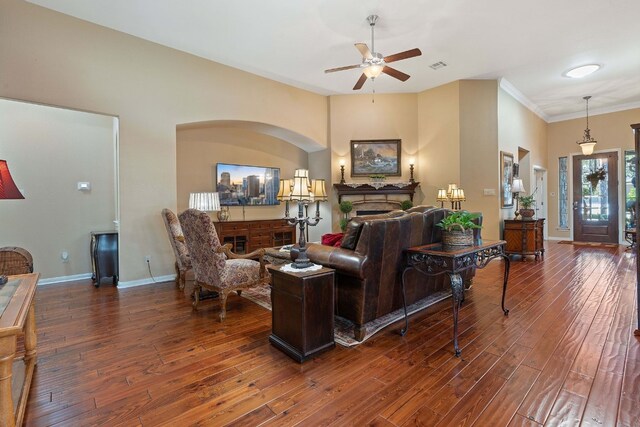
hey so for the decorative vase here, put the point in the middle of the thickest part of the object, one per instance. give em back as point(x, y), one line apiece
point(527, 213)
point(462, 237)
point(223, 214)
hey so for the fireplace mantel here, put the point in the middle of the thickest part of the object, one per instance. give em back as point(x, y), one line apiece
point(385, 189)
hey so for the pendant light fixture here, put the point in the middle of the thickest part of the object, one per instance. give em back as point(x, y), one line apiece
point(588, 143)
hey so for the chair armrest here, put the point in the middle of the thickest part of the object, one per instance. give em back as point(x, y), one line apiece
point(258, 255)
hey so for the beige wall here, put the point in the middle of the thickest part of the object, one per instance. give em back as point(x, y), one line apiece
point(55, 59)
point(612, 132)
point(520, 129)
point(439, 139)
point(198, 150)
point(356, 117)
point(49, 150)
point(479, 166)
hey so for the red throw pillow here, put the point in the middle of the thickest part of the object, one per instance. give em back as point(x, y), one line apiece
point(332, 239)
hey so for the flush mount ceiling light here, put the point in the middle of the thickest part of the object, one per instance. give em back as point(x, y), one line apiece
point(582, 71)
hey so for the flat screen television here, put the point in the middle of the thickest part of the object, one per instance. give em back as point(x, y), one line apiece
point(243, 185)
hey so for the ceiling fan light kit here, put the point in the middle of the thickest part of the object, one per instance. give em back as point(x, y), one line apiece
point(373, 63)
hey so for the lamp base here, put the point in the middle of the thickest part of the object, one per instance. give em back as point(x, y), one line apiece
point(302, 264)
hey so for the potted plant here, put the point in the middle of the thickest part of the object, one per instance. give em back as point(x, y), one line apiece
point(345, 207)
point(457, 228)
point(378, 177)
point(406, 204)
point(526, 202)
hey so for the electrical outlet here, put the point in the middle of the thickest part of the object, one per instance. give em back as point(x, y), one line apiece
point(64, 256)
point(147, 258)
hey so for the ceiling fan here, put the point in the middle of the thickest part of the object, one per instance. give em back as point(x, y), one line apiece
point(373, 63)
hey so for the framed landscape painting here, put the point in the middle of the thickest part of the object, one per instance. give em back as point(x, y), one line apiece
point(375, 157)
point(506, 178)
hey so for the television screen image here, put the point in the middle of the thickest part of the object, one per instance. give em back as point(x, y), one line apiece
point(241, 185)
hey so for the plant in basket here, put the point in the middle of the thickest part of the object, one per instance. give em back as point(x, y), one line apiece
point(526, 202)
point(457, 228)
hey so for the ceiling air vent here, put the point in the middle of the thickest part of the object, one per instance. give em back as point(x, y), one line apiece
point(437, 65)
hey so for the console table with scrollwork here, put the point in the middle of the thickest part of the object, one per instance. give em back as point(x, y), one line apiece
point(375, 188)
point(436, 258)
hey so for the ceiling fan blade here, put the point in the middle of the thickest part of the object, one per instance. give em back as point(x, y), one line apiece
point(360, 82)
point(364, 50)
point(348, 67)
point(395, 73)
point(402, 55)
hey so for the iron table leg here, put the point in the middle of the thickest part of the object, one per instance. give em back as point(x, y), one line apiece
point(507, 266)
point(404, 305)
point(457, 293)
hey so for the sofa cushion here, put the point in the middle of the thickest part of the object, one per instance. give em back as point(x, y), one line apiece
point(332, 239)
point(351, 234)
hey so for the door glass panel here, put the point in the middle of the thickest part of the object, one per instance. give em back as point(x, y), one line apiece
point(630, 188)
point(595, 197)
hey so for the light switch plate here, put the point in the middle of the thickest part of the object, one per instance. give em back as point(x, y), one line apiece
point(489, 191)
point(84, 186)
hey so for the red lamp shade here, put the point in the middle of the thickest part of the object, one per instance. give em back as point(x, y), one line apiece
point(8, 189)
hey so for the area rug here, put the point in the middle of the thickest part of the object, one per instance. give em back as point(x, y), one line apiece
point(344, 328)
point(590, 244)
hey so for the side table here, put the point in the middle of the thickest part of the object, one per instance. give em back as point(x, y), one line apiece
point(436, 258)
point(104, 256)
point(17, 316)
point(302, 306)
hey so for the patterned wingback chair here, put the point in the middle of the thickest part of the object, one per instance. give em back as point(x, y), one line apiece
point(215, 266)
point(183, 260)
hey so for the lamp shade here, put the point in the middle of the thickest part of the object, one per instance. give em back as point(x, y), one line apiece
point(284, 192)
point(457, 195)
point(442, 195)
point(8, 189)
point(587, 147)
point(518, 186)
point(300, 188)
point(450, 189)
point(318, 190)
point(205, 202)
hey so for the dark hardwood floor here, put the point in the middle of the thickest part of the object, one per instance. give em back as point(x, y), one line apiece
point(565, 355)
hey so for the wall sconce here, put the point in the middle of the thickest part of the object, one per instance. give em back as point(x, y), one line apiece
point(342, 162)
point(412, 161)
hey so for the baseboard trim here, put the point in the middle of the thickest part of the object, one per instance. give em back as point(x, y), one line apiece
point(63, 279)
point(122, 285)
point(557, 238)
point(146, 281)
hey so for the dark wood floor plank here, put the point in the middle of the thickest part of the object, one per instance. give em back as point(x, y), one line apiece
point(142, 356)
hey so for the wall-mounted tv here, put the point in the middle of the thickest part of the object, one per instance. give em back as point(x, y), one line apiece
point(242, 185)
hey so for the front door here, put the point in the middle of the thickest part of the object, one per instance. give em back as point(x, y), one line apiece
point(595, 198)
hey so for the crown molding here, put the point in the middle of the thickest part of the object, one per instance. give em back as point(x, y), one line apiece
point(521, 98)
point(594, 112)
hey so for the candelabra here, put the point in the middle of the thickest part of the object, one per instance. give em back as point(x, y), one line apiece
point(411, 162)
point(453, 194)
point(302, 192)
point(342, 181)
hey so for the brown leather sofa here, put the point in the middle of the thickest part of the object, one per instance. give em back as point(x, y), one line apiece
point(368, 276)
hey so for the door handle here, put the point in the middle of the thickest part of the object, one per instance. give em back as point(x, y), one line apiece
point(575, 206)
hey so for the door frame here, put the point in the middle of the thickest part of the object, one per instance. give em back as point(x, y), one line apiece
point(545, 200)
point(621, 195)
